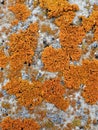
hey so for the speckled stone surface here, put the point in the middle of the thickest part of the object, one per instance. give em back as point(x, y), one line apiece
point(79, 115)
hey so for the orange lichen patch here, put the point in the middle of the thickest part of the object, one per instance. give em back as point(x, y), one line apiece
point(35, 3)
point(22, 47)
point(89, 69)
point(5, 30)
point(90, 66)
point(65, 18)
point(59, 102)
point(87, 23)
point(54, 59)
point(56, 8)
point(19, 124)
point(20, 1)
point(1, 95)
point(71, 35)
point(21, 11)
point(1, 77)
point(90, 92)
point(91, 21)
point(53, 87)
point(25, 41)
point(27, 94)
point(93, 79)
point(6, 105)
point(53, 92)
point(74, 53)
point(15, 68)
point(96, 34)
point(47, 28)
point(14, 22)
point(72, 77)
point(3, 59)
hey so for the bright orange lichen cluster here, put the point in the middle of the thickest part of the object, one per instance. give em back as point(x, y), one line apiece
point(91, 21)
point(22, 47)
point(14, 22)
point(19, 124)
point(54, 59)
point(90, 92)
point(77, 75)
point(3, 59)
point(71, 37)
point(21, 11)
point(32, 94)
point(20, 1)
point(21, 50)
point(96, 34)
point(27, 94)
point(66, 18)
point(56, 8)
point(1, 95)
point(1, 77)
point(85, 74)
point(71, 77)
point(53, 92)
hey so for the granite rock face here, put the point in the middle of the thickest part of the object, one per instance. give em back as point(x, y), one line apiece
point(48, 64)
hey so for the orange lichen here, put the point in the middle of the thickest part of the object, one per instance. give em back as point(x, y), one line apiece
point(71, 35)
point(14, 22)
point(96, 33)
point(47, 28)
point(91, 21)
point(90, 66)
point(6, 105)
point(65, 18)
point(21, 11)
point(54, 59)
point(72, 77)
point(32, 94)
point(87, 23)
point(90, 92)
point(21, 51)
point(3, 59)
point(1, 95)
point(22, 46)
point(20, 1)
point(56, 8)
point(27, 94)
point(1, 77)
point(74, 53)
point(53, 92)
point(19, 124)
point(5, 30)
point(35, 3)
